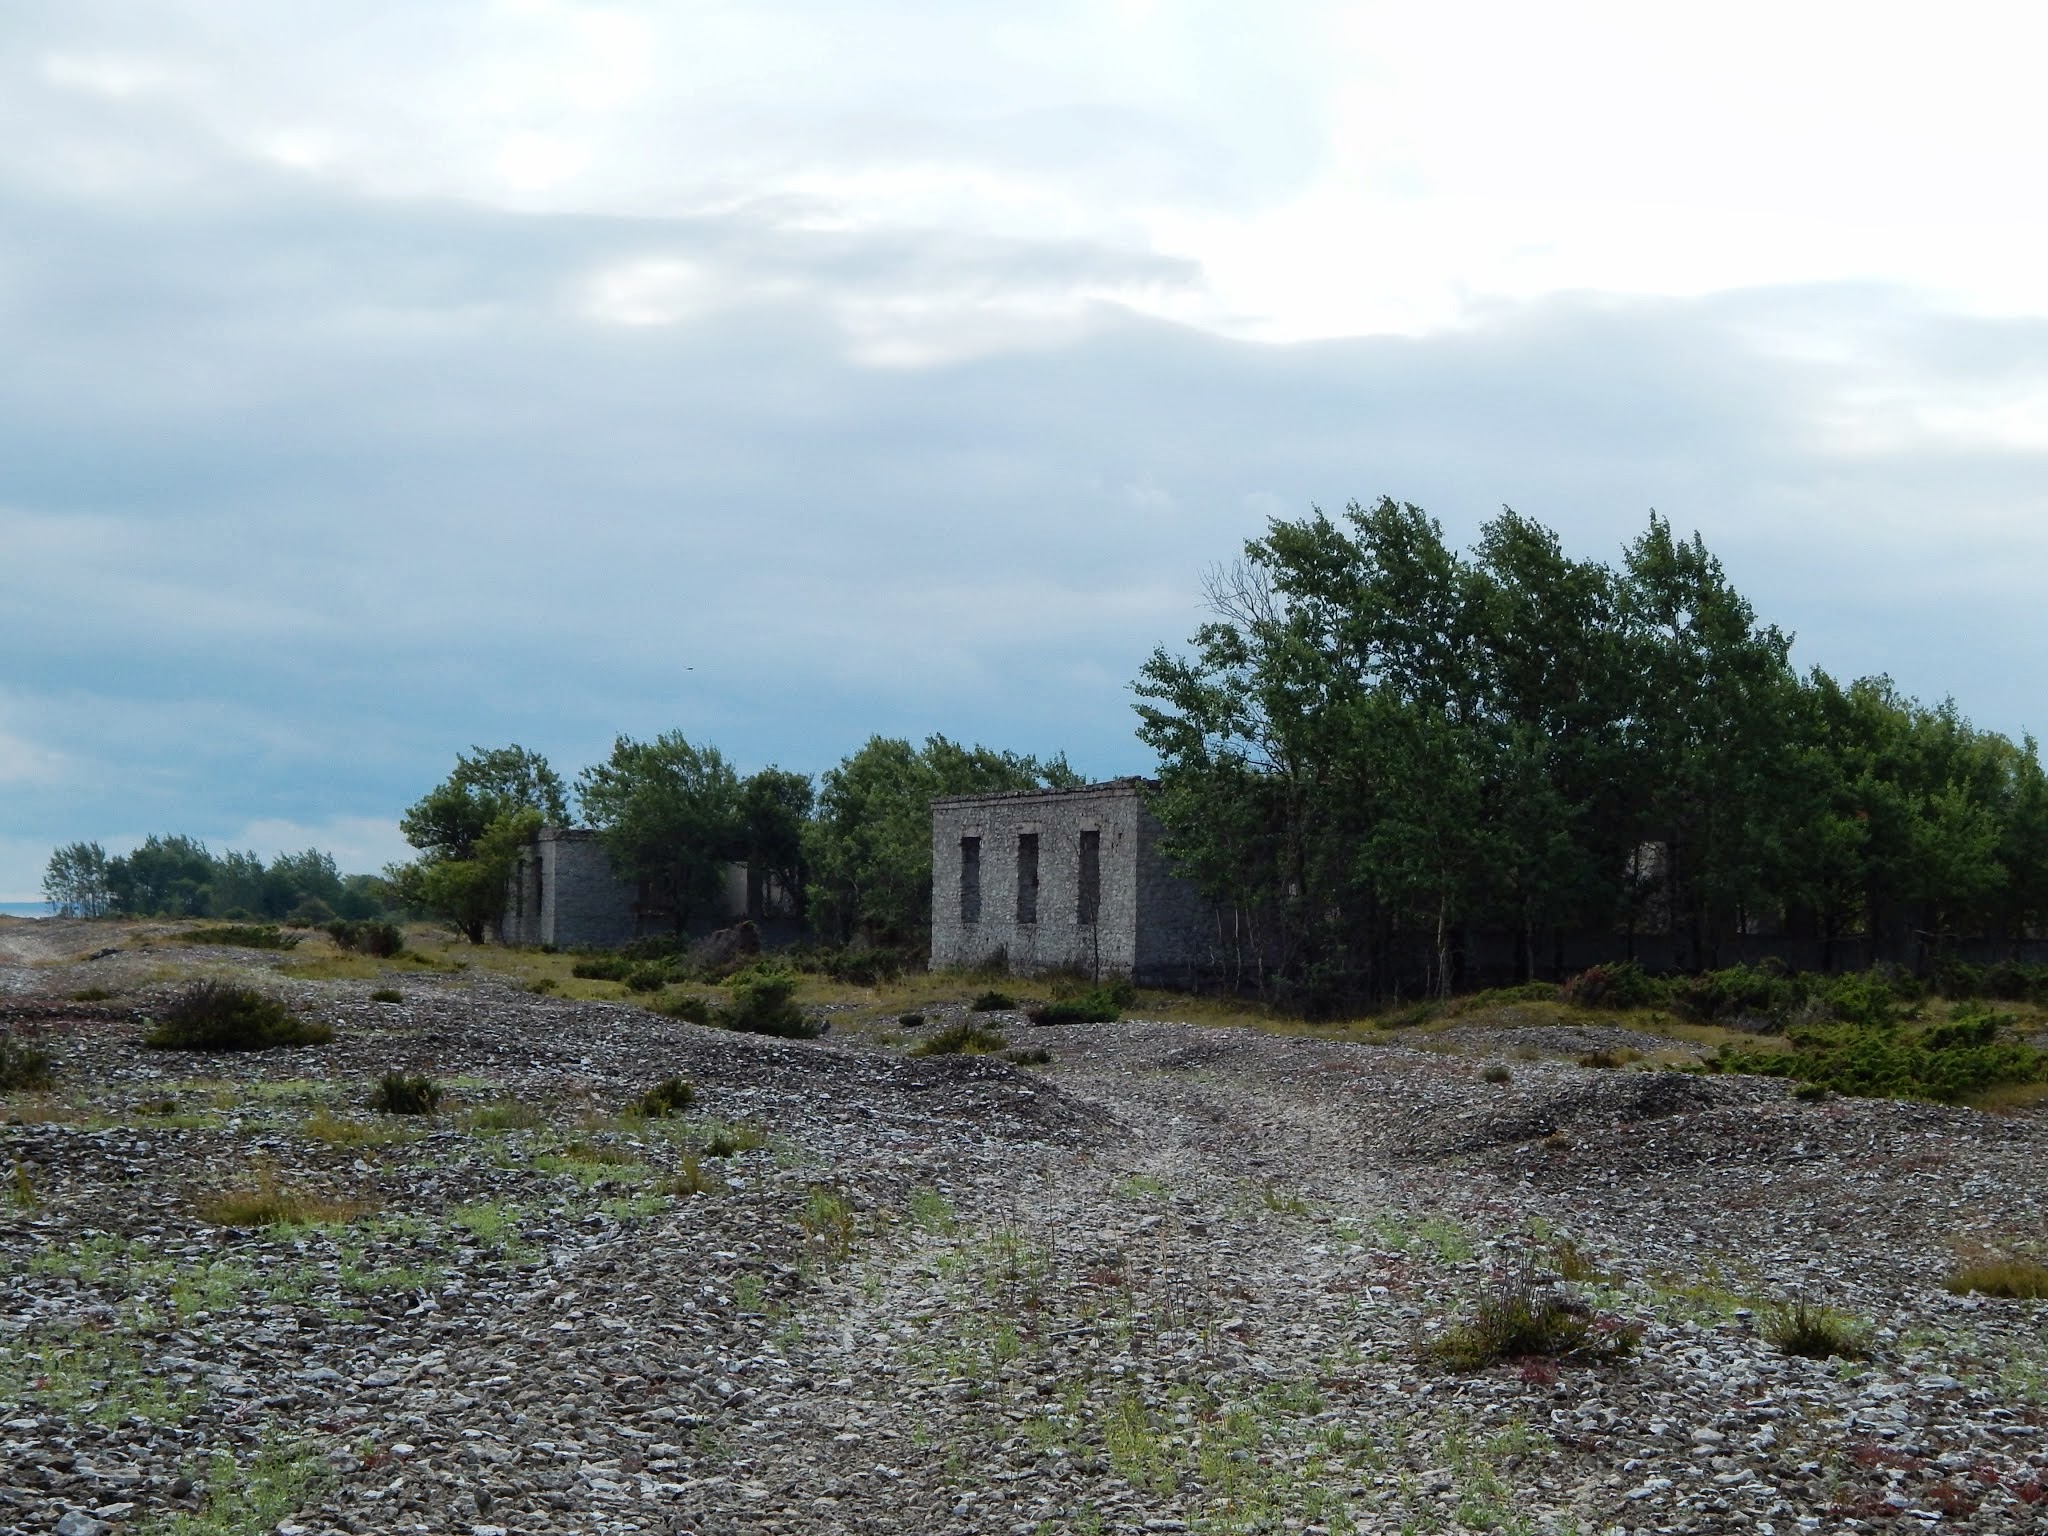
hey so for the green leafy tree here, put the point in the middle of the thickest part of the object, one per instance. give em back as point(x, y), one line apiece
point(774, 811)
point(164, 877)
point(469, 829)
point(870, 845)
point(671, 816)
point(75, 881)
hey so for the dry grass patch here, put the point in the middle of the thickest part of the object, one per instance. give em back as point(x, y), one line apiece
point(2016, 1279)
point(266, 1203)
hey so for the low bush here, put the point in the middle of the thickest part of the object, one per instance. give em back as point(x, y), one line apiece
point(2017, 1279)
point(689, 1007)
point(398, 1093)
point(1104, 1005)
point(910, 1021)
point(1969, 1052)
point(670, 1096)
point(386, 995)
point(1526, 1313)
point(967, 1038)
point(24, 1068)
point(220, 1016)
point(543, 986)
point(1800, 1327)
point(379, 939)
point(1621, 985)
point(91, 995)
point(992, 1002)
point(764, 1003)
point(602, 968)
point(1761, 994)
point(242, 936)
point(1497, 1074)
point(1031, 1056)
point(651, 977)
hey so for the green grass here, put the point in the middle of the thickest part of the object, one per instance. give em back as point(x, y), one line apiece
point(89, 1376)
point(967, 1038)
point(507, 1115)
point(2013, 1279)
point(1799, 1327)
point(253, 1499)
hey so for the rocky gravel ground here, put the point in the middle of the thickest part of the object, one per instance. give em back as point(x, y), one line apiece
point(1180, 1278)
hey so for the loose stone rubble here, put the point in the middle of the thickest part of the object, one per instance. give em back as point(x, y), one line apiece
point(1180, 1279)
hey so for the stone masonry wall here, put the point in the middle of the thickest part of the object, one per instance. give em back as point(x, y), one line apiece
point(1148, 923)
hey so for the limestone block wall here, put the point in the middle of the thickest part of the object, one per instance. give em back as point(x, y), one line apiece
point(563, 892)
point(1146, 922)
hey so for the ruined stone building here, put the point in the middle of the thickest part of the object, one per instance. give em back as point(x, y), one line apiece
point(1047, 879)
point(564, 892)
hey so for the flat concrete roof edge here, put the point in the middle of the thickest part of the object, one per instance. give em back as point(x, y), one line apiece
point(1126, 786)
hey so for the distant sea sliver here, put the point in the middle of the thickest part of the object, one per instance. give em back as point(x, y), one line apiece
point(24, 909)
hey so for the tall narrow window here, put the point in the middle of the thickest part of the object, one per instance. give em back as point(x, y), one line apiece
point(970, 879)
point(1091, 877)
point(1027, 877)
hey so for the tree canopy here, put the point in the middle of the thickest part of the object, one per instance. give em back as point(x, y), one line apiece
point(1379, 742)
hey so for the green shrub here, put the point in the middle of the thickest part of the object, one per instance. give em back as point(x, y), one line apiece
point(386, 995)
point(764, 1003)
point(966, 1038)
point(1946, 1062)
point(24, 1068)
point(992, 1002)
point(1739, 992)
point(1621, 985)
point(242, 936)
point(670, 1096)
point(1032, 1056)
point(397, 1093)
point(910, 1021)
point(651, 977)
point(543, 986)
point(602, 968)
point(220, 1016)
point(1799, 1327)
point(2018, 1279)
point(1521, 992)
point(91, 995)
point(379, 939)
point(1525, 1313)
point(689, 1007)
point(1105, 1005)
point(1497, 1074)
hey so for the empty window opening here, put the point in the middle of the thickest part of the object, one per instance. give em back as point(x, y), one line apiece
point(970, 879)
point(1027, 877)
point(1091, 877)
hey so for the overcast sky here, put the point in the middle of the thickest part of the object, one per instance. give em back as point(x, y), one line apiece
point(382, 379)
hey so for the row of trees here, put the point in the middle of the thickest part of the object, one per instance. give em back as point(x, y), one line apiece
point(852, 851)
point(179, 876)
point(1380, 743)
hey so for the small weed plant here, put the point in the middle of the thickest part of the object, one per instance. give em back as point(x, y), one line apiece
point(507, 1115)
point(967, 1038)
point(386, 995)
point(400, 1093)
point(91, 995)
point(992, 1002)
point(1497, 1074)
point(24, 1066)
point(1527, 1313)
point(669, 1097)
point(691, 1179)
point(1801, 1327)
point(221, 1016)
point(1029, 1056)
